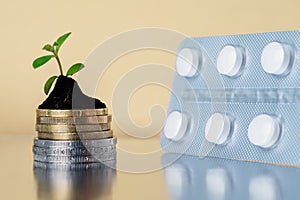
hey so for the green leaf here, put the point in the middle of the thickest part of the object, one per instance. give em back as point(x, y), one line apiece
point(49, 83)
point(61, 40)
point(41, 61)
point(48, 47)
point(75, 68)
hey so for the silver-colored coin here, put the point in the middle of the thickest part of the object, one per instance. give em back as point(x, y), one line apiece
point(75, 143)
point(74, 159)
point(71, 113)
point(76, 136)
point(75, 166)
point(74, 120)
point(47, 128)
point(69, 151)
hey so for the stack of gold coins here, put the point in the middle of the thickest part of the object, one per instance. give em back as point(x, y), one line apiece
point(74, 136)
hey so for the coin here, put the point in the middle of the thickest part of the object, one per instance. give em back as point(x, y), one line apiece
point(74, 159)
point(58, 167)
point(79, 151)
point(71, 113)
point(76, 136)
point(74, 120)
point(67, 128)
point(75, 143)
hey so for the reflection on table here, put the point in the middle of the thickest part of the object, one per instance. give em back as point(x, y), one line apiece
point(80, 181)
point(218, 179)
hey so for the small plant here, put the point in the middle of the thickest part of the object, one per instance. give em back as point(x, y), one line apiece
point(54, 49)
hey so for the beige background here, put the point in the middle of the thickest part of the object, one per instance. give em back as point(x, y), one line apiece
point(27, 25)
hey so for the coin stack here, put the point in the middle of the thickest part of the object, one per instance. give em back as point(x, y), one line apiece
point(74, 136)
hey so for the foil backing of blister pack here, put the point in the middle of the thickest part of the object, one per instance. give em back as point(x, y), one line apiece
point(252, 92)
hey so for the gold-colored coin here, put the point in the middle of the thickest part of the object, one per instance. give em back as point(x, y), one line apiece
point(71, 113)
point(76, 136)
point(74, 120)
point(67, 128)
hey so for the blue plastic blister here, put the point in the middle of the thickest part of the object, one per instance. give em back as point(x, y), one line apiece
point(237, 97)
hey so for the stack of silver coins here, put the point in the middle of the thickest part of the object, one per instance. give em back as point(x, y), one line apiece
point(74, 136)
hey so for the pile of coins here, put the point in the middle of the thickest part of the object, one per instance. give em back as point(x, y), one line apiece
point(74, 136)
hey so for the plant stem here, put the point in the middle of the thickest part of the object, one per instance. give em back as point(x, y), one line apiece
point(59, 63)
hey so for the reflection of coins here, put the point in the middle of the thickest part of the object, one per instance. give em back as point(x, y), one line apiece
point(71, 113)
point(74, 181)
point(55, 128)
point(76, 136)
point(74, 159)
point(74, 120)
point(75, 143)
point(80, 151)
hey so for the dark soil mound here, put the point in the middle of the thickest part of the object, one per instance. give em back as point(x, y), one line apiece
point(61, 98)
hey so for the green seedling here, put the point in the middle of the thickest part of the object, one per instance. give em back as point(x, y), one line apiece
point(54, 49)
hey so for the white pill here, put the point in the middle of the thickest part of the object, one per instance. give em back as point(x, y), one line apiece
point(217, 128)
point(187, 62)
point(230, 60)
point(264, 131)
point(175, 125)
point(276, 58)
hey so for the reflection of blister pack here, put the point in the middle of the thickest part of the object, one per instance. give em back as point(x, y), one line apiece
point(211, 179)
point(237, 97)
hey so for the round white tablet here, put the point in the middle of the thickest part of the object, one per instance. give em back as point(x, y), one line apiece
point(276, 58)
point(230, 60)
point(187, 62)
point(264, 131)
point(175, 125)
point(217, 128)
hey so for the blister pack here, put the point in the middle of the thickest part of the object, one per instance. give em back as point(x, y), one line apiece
point(237, 97)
